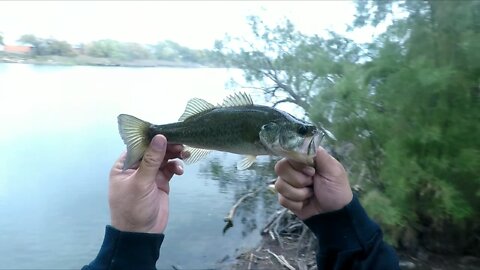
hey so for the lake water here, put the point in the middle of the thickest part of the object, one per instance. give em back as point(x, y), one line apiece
point(58, 141)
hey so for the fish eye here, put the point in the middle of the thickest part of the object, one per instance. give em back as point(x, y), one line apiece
point(302, 130)
point(267, 127)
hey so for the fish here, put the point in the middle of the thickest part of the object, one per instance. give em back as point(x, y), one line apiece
point(236, 126)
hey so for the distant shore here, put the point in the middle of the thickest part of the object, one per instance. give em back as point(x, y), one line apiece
point(83, 60)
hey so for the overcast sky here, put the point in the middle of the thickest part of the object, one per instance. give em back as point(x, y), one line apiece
point(196, 24)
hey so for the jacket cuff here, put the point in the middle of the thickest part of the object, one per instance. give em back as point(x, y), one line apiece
point(125, 249)
point(345, 229)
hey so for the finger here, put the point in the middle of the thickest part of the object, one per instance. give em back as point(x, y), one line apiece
point(289, 174)
point(168, 170)
point(174, 151)
point(326, 165)
point(153, 158)
point(302, 167)
point(162, 180)
point(168, 155)
point(292, 205)
point(175, 148)
point(293, 193)
point(175, 166)
point(185, 154)
point(164, 176)
point(118, 165)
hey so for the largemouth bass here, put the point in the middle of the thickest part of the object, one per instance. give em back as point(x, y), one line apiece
point(236, 126)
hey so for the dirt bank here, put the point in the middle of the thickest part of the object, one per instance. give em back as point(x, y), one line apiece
point(263, 258)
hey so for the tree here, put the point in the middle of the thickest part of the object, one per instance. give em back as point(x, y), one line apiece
point(1, 39)
point(108, 48)
point(57, 47)
point(30, 39)
point(404, 108)
point(135, 51)
point(293, 67)
point(310, 72)
point(424, 71)
point(172, 51)
point(42, 46)
point(166, 50)
point(103, 48)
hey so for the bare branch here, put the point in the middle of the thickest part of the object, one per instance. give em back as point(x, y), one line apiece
point(231, 214)
point(282, 101)
point(281, 259)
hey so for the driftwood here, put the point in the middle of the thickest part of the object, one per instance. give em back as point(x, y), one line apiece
point(271, 220)
point(250, 261)
point(273, 226)
point(301, 264)
point(229, 218)
point(282, 260)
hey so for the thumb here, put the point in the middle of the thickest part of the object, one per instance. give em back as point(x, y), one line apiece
point(153, 158)
point(325, 164)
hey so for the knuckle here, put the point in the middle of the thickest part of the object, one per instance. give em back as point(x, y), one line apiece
point(151, 160)
point(279, 185)
point(304, 194)
point(283, 201)
point(279, 166)
point(306, 181)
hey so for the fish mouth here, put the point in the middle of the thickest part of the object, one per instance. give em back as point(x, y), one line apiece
point(312, 143)
point(302, 150)
point(306, 151)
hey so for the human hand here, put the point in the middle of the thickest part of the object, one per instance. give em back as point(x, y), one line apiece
point(138, 197)
point(309, 191)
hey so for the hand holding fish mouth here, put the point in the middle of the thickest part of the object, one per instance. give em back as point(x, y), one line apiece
point(138, 197)
point(308, 191)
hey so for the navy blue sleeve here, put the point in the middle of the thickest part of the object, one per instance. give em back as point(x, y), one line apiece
point(349, 239)
point(127, 250)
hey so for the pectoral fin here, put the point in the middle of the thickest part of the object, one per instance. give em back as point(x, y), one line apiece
point(246, 162)
point(196, 154)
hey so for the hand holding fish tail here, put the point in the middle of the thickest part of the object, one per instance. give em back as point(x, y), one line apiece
point(308, 191)
point(138, 197)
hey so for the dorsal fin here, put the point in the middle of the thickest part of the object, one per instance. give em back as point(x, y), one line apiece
point(195, 106)
point(237, 99)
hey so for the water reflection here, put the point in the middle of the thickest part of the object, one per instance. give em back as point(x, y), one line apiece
point(254, 210)
point(60, 141)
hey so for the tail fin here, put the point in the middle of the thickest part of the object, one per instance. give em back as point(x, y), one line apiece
point(134, 133)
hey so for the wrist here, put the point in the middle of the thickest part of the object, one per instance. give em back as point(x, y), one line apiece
point(125, 226)
point(327, 205)
point(342, 200)
point(343, 229)
point(128, 248)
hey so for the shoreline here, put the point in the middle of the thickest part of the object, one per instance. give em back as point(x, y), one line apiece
point(287, 243)
point(265, 257)
point(82, 60)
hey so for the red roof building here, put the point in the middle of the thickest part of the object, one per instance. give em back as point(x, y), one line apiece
point(20, 49)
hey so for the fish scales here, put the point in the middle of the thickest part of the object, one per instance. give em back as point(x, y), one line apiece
point(236, 126)
point(231, 129)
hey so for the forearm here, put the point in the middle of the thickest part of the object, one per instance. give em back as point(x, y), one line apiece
point(127, 250)
point(349, 239)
